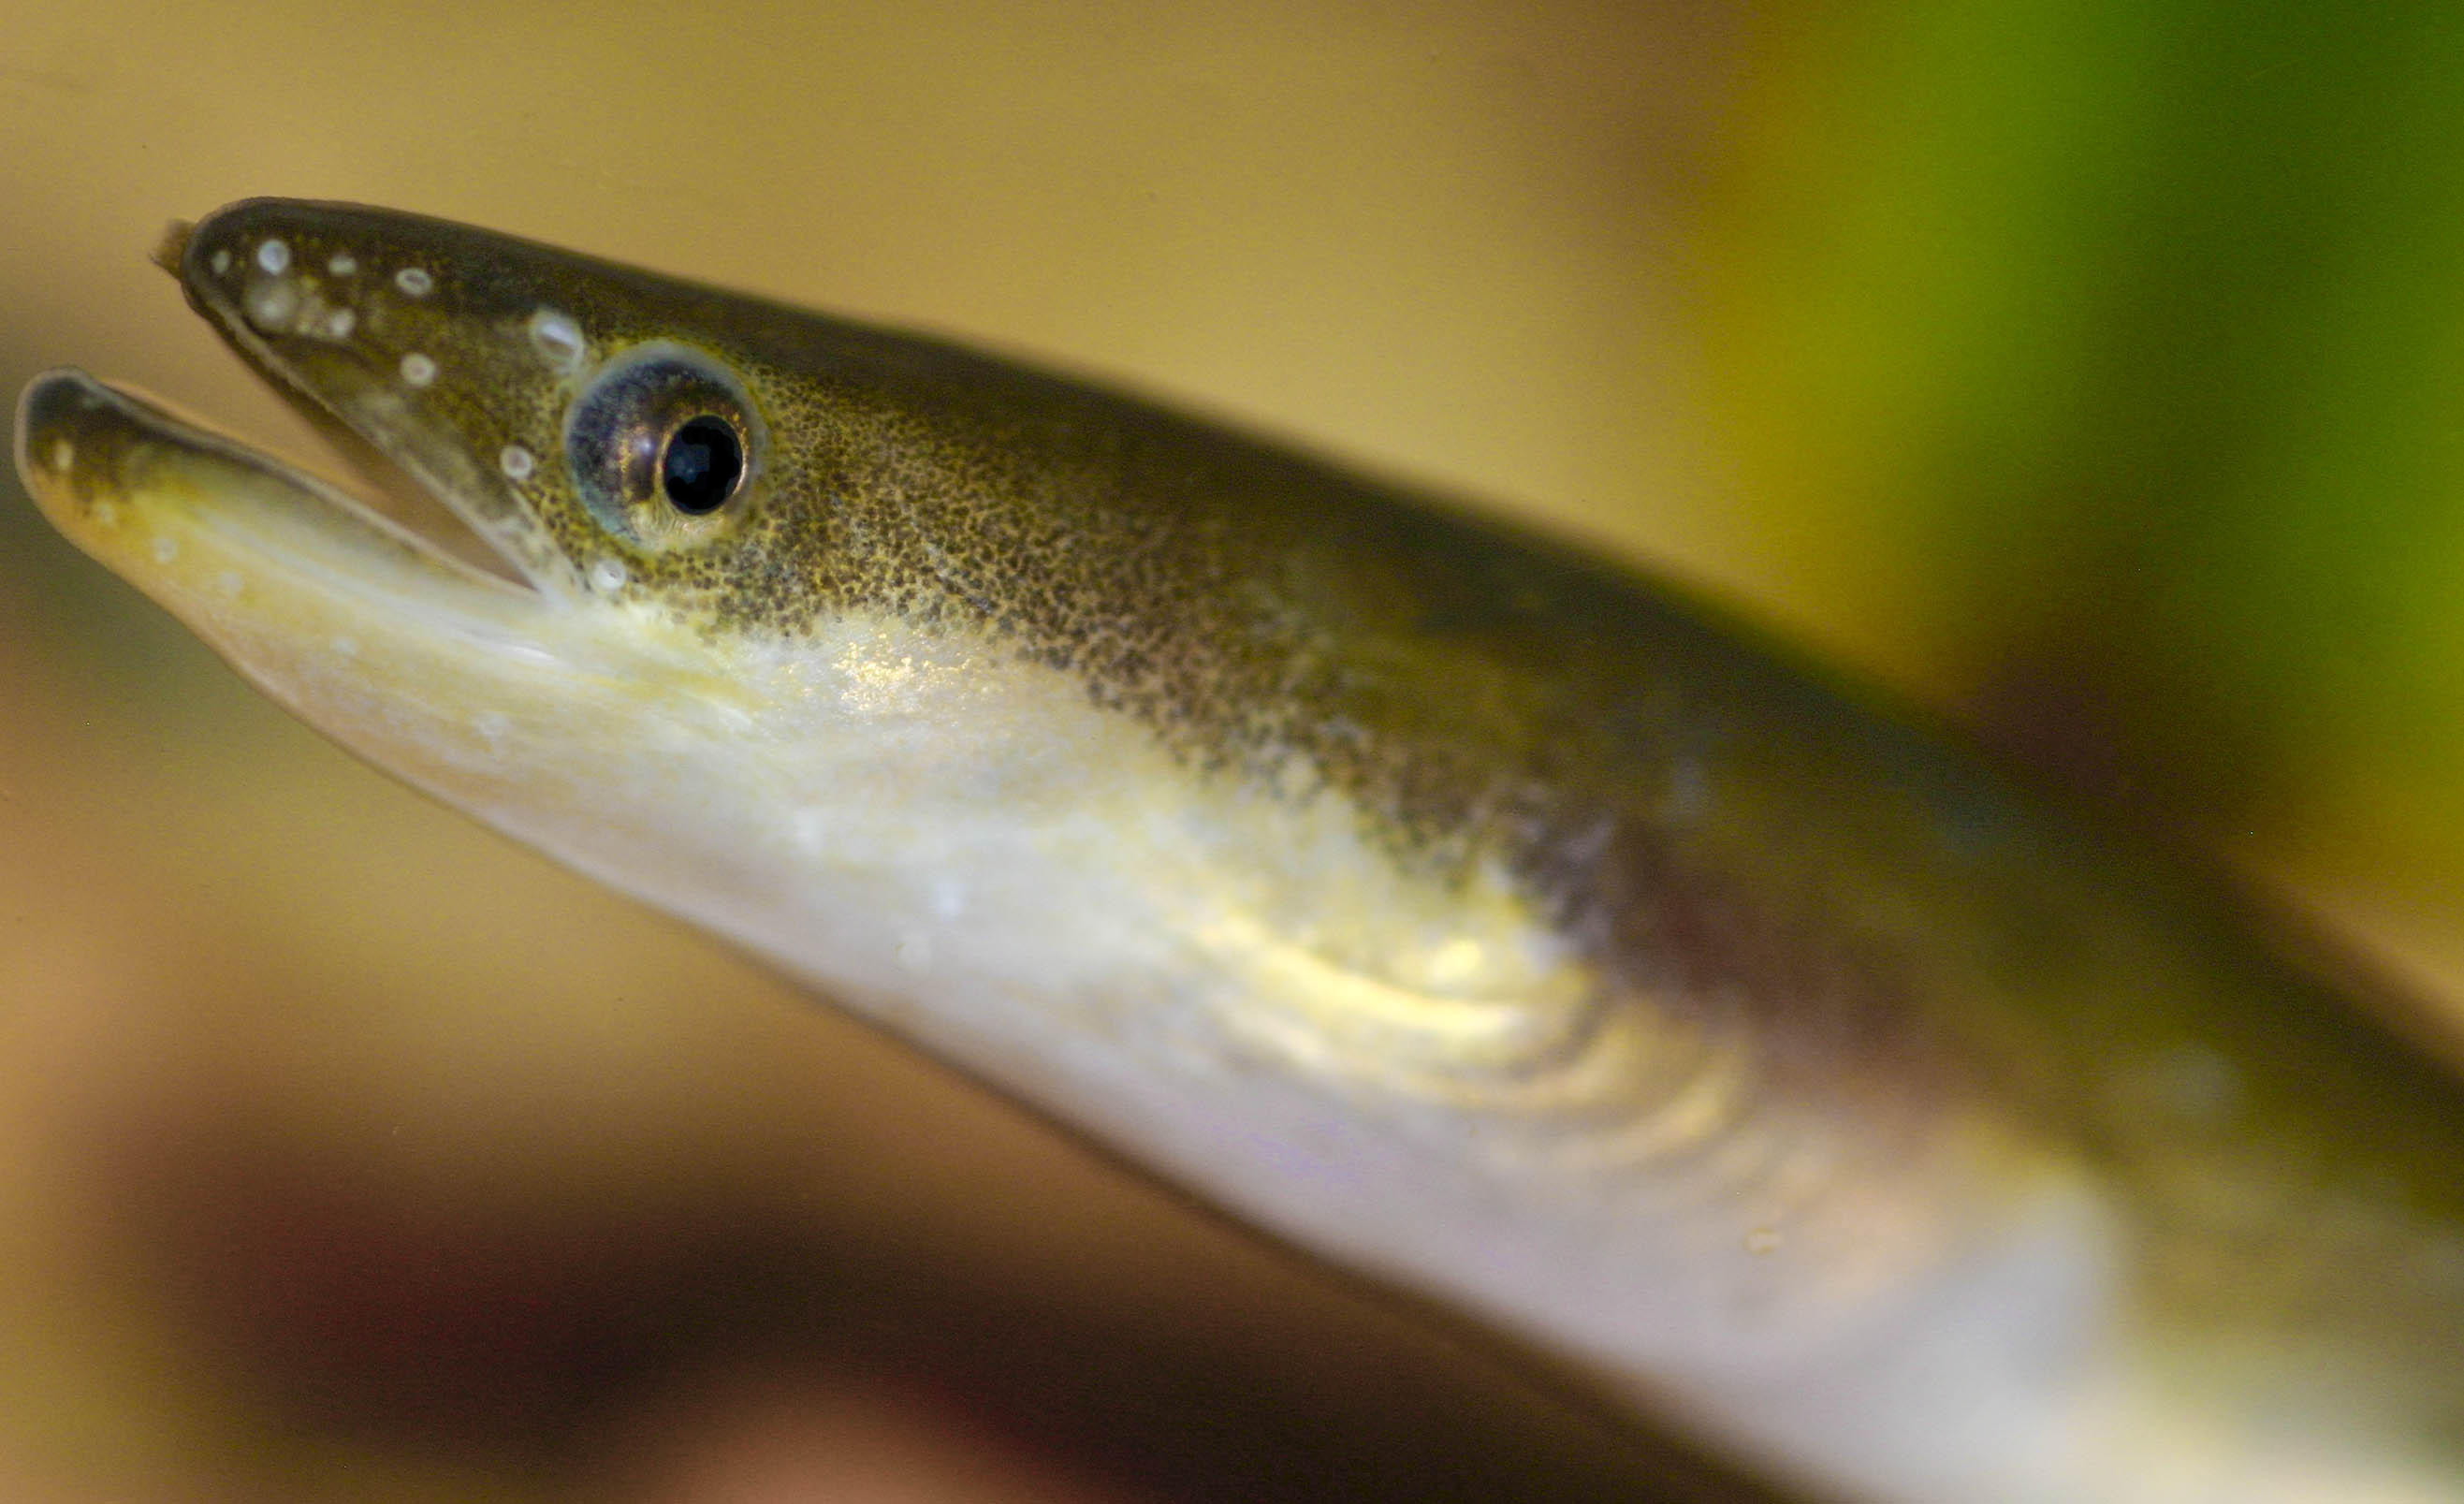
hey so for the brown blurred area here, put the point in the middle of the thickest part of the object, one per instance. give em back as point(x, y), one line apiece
point(348, 1153)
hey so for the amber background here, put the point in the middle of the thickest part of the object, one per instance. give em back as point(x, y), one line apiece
point(2086, 369)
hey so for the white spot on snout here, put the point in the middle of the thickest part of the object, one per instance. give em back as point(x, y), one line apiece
point(609, 574)
point(220, 261)
point(343, 263)
point(515, 462)
point(415, 281)
point(339, 323)
point(271, 303)
point(558, 339)
point(418, 369)
point(166, 550)
point(275, 257)
point(63, 454)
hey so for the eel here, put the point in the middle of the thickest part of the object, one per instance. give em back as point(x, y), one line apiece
point(1484, 919)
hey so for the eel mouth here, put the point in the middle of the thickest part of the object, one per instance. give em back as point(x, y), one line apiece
point(430, 623)
point(234, 540)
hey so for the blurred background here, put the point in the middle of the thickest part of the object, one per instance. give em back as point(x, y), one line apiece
point(2088, 370)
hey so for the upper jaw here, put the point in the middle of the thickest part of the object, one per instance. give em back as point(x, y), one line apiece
point(361, 325)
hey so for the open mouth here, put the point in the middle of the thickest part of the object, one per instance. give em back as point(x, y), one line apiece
point(189, 514)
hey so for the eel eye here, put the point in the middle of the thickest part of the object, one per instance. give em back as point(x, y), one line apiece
point(703, 462)
point(661, 442)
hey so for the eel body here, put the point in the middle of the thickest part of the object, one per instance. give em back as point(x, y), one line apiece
point(1467, 911)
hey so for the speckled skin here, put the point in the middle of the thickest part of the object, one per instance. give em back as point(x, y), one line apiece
point(1880, 928)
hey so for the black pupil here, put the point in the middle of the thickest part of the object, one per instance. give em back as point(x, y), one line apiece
point(703, 463)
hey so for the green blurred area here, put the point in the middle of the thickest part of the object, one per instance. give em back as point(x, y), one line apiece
point(2083, 368)
point(2097, 364)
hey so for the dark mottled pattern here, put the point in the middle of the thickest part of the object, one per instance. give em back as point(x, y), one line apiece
point(1726, 833)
